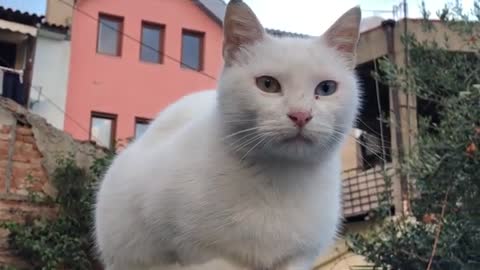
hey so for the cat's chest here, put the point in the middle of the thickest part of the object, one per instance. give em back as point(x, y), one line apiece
point(269, 220)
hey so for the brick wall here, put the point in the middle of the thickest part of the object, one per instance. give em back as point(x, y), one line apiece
point(21, 161)
point(21, 174)
point(29, 148)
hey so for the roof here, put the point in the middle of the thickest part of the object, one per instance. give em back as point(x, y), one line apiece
point(18, 16)
point(17, 28)
point(281, 33)
point(216, 10)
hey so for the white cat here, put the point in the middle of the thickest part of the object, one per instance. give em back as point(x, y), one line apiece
point(250, 173)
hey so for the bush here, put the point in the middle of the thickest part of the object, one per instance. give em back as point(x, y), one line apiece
point(64, 242)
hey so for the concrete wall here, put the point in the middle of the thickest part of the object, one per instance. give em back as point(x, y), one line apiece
point(59, 12)
point(50, 77)
point(351, 155)
point(339, 257)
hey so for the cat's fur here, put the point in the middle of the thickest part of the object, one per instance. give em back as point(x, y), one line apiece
point(189, 191)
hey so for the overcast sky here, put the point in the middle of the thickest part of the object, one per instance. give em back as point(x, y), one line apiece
point(314, 16)
point(303, 16)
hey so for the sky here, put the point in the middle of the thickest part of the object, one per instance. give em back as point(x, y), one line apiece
point(31, 6)
point(311, 17)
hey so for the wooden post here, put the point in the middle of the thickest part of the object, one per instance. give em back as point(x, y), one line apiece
point(28, 73)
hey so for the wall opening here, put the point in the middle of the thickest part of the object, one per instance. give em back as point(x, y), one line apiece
point(373, 118)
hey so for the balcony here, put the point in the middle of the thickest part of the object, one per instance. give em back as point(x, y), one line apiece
point(363, 189)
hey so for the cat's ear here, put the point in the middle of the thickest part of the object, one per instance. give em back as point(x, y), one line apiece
point(343, 35)
point(241, 28)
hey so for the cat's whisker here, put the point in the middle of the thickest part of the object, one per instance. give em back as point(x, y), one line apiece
point(253, 147)
point(258, 127)
point(240, 132)
point(238, 144)
point(336, 132)
point(246, 143)
point(350, 135)
point(251, 141)
point(369, 128)
point(339, 140)
point(250, 120)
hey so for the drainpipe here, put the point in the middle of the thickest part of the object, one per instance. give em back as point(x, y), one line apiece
point(28, 73)
point(388, 27)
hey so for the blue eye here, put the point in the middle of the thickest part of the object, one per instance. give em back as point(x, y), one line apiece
point(326, 88)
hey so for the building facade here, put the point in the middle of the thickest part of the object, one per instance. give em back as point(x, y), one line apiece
point(18, 31)
point(130, 59)
point(48, 93)
point(34, 61)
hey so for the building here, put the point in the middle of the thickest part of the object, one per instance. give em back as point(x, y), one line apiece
point(388, 113)
point(18, 32)
point(34, 61)
point(48, 93)
point(129, 59)
point(50, 74)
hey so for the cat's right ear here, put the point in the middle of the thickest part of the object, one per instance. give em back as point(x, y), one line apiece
point(241, 28)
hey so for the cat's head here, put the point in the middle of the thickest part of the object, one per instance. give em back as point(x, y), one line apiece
point(291, 97)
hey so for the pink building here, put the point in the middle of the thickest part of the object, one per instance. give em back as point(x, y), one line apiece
point(116, 84)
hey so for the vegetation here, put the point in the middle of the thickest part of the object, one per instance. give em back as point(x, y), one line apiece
point(64, 242)
point(442, 230)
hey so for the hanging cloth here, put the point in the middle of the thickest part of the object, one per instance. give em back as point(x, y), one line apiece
point(1, 82)
point(13, 87)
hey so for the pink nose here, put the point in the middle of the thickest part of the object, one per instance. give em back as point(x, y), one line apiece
point(300, 118)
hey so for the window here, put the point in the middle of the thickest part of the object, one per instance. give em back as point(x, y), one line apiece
point(102, 129)
point(192, 50)
point(375, 137)
point(141, 125)
point(8, 54)
point(151, 49)
point(110, 30)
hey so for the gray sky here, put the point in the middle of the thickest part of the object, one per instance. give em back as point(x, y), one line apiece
point(315, 16)
point(303, 16)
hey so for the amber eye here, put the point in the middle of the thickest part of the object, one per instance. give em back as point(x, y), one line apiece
point(268, 84)
point(326, 88)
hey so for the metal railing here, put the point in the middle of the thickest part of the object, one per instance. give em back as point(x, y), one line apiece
point(362, 190)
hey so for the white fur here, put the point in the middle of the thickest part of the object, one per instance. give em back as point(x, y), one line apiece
point(183, 194)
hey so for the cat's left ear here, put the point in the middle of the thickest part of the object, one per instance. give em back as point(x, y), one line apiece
point(343, 35)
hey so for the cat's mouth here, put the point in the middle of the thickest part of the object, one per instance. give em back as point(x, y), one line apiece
point(299, 137)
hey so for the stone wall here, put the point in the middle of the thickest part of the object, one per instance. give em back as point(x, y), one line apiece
point(29, 149)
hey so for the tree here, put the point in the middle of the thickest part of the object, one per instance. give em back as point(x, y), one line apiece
point(443, 229)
